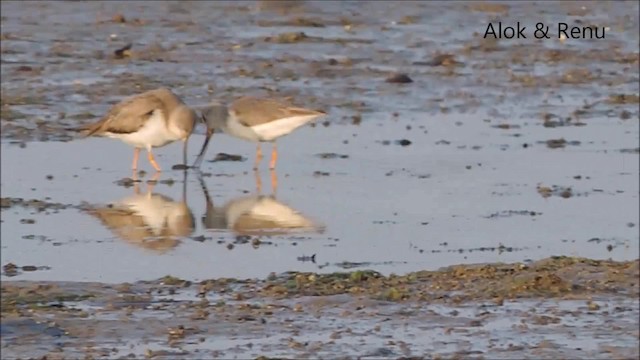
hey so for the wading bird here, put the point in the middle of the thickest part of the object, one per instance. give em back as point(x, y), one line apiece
point(254, 119)
point(152, 119)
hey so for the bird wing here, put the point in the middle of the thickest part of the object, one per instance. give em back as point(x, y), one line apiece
point(128, 115)
point(251, 111)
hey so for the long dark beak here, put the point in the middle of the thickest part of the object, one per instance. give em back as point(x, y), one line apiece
point(196, 164)
point(184, 152)
point(184, 186)
point(207, 198)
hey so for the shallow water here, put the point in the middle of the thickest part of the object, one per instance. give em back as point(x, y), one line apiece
point(393, 208)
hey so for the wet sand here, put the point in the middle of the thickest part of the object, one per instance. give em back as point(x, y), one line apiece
point(552, 308)
point(441, 149)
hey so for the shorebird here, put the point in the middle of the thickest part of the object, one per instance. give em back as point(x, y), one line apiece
point(151, 221)
point(254, 119)
point(152, 119)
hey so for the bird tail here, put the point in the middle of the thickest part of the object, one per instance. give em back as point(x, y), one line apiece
point(86, 130)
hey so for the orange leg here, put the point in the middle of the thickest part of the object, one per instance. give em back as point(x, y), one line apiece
point(258, 157)
point(274, 156)
point(136, 154)
point(274, 183)
point(258, 182)
point(153, 162)
point(151, 183)
point(134, 177)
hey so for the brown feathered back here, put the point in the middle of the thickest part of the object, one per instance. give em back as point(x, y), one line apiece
point(130, 114)
point(252, 111)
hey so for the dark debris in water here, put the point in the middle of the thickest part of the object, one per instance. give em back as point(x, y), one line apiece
point(401, 142)
point(11, 269)
point(509, 213)
point(123, 52)
point(168, 182)
point(296, 21)
point(499, 249)
point(287, 38)
point(127, 182)
point(227, 157)
point(381, 352)
point(354, 265)
point(599, 240)
point(505, 126)
point(399, 79)
point(559, 143)
point(332, 156)
point(379, 222)
point(200, 238)
point(39, 205)
point(555, 190)
point(410, 172)
point(299, 36)
point(445, 60)
point(306, 258)
point(242, 239)
point(180, 167)
point(553, 121)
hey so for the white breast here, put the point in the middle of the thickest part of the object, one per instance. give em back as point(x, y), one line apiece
point(275, 129)
point(267, 131)
point(154, 133)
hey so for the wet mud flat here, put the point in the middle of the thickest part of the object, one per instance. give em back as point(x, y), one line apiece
point(477, 132)
point(560, 307)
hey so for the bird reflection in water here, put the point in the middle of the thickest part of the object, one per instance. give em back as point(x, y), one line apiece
point(151, 221)
point(256, 215)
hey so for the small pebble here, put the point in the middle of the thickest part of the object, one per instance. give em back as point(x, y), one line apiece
point(399, 79)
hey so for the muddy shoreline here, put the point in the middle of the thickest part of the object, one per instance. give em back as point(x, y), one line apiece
point(551, 304)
